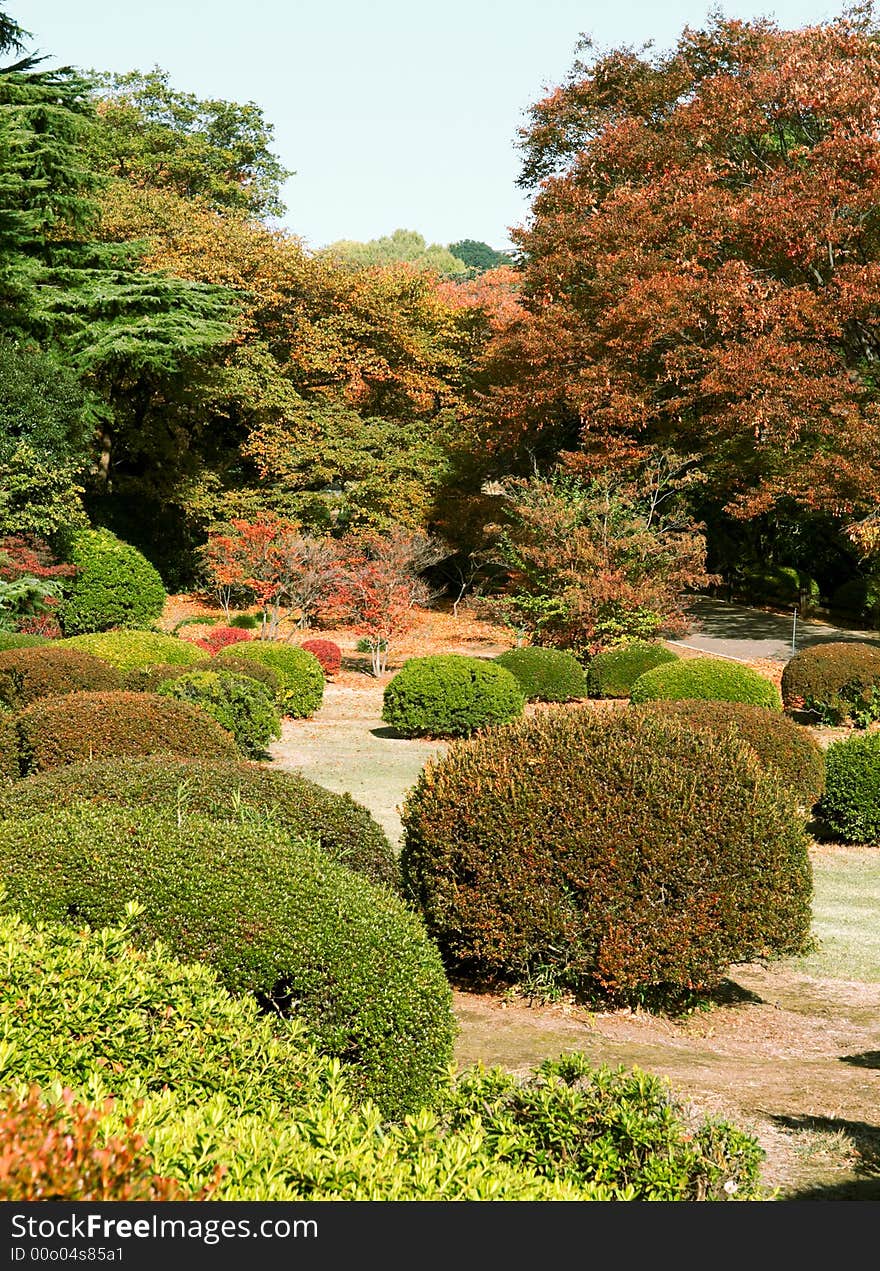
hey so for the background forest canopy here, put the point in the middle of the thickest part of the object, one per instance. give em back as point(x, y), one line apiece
point(674, 379)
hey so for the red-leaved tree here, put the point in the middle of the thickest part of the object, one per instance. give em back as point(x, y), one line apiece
point(378, 588)
point(271, 560)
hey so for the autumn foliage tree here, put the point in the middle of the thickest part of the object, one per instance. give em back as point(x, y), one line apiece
point(703, 265)
point(591, 563)
point(271, 560)
point(378, 586)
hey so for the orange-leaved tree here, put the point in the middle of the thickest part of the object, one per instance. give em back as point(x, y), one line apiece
point(703, 264)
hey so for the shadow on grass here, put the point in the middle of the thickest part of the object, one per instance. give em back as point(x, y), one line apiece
point(865, 1140)
point(867, 1059)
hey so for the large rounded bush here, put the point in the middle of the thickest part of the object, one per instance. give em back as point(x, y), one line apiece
point(224, 790)
point(850, 806)
point(632, 854)
point(545, 675)
point(26, 674)
point(837, 681)
point(17, 640)
point(289, 925)
point(783, 746)
point(708, 678)
point(239, 704)
point(450, 696)
point(613, 673)
point(302, 680)
point(133, 650)
point(115, 586)
point(54, 731)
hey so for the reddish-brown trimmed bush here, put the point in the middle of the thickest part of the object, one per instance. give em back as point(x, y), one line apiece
point(327, 653)
point(837, 681)
point(59, 730)
point(635, 854)
point(27, 674)
point(57, 1151)
point(783, 746)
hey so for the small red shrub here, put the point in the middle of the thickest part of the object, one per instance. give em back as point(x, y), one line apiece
point(59, 1153)
point(327, 653)
point(220, 638)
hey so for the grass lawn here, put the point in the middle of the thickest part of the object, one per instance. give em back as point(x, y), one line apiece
point(846, 915)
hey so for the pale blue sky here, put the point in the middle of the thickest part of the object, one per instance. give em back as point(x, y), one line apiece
point(392, 113)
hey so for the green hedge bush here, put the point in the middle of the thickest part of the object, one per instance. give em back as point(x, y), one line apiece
point(10, 749)
point(239, 704)
point(850, 806)
point(247, 666)
point(300, 674)
point(706, 678)
point(837, 681)
point(545, 675)
point(289, 925)
point(134, 650)
point(147, 679)
point(54, 731)
point(634, 855)
point(613, 673)
point(783, 746)
point(214, 1088)
point(116, 585)
point(858, 596)
point(28, 674)
point(450, 696)
point(223, 790)
point(784, 585)
point(17, 640)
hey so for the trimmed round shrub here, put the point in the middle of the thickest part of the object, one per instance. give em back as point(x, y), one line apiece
point(450, 696)
point(116, 586)
point(59, 730)
point(327, 653)
point(850, 806)
point(224, 791)
point(708, 678)
point(303, 934)
point(131, 650)
point(26, 674)
point(18, 640)
point(613, 673)
point(634, 855)
point(545, 675)
point(837, 681)
point(299, 672)
point(246, 621)
point(247, 666)
point(782, 746)
point(239, 704)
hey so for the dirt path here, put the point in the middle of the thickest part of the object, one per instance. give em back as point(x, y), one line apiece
point(750, 635)
point(789, 1054)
